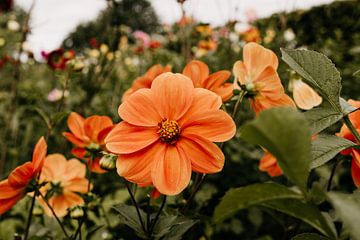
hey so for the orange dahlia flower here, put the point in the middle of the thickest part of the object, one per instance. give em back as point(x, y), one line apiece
point(257, 75)
point(88, 135)
point(168, 131)
point(346, 133)
point(198, 72)
point(304, 96)
point(15, 187)
point(146, 80)
point(268, 163)
point(64, 178)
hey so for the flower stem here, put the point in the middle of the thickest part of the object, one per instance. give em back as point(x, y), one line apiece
point(237, 104)
point(152, 225)
point(352, 128)
point(333, 170)
point(54, 214)
point(198, 184)
point(29, 217)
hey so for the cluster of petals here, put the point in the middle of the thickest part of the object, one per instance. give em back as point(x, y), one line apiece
point(346, 133)
point(87, 134)
point(14, 188)
point(167, 132)
point(304, 96)
point(257, 75)
point(69, 178)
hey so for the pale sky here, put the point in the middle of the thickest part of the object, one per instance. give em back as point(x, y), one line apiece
point(53, 19)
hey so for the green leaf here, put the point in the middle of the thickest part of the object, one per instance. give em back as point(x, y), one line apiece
point(318, 71)
point(325, 147)
point(58, 117)
point(285, 133)
point(43, 116)
point(129, 217)
point(347, 207)
point(172, 227)
point(240, 198)
point(305, 212)
point(309, 236)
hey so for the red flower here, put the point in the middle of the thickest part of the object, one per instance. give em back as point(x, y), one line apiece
point(57, 59)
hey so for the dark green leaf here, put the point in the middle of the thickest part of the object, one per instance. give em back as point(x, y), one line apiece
point(58, 117)
point(172, 227)
point(43, 116)
point(325, 147)
point(129, 217)
point(309, 236)
point(285, 133)
point(240, 198)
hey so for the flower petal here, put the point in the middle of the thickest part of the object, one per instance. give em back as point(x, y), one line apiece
point(7, 204)
point(54, 167)
point(304, 96)
point(74, 169)
point(77, 185)
point(171, 173)
point(7, 191)
point(213, 125)
point(95, 124)
point(173, 95)
point(39, 154)
point(204, 155)
point(76, 125)
point(73, 139)
point(139, 109)
point(126, 138)
point(216, 79)
point(269, 164)
point(225, 91)
point(197, 71)
point(20, 176)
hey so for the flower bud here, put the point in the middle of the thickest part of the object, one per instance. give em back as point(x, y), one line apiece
point(108, 161)
point(76, 212)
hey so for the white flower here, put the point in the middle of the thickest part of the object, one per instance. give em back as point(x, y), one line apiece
point(13, 25)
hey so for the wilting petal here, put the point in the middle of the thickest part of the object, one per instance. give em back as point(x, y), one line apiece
point(136, 167)
point(95, 124)
point(39, 154)
point(171, 173)
point(7, 204)
point(204, 155)
point(197, 71)
point(304, 96)
point(21, 175)
point(73, 139)
point(213, 125)
point(269, 164)
point(77, 185)
point(7, 191)
point(74, 169)
point(76, 125)
point(172, 94)
point(139, 109)
point(126, 138)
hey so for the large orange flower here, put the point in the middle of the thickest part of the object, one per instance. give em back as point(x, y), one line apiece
point(88, 134)
point(168, 131)
point(346, 133)
point(257, 75)
point(146, 80)
point(198, 72)
point(15, 186)
point(64, 178)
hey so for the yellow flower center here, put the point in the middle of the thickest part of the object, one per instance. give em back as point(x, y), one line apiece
point(169, 131)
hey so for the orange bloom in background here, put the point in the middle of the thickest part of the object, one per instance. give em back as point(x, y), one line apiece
point(251, 35)
point(304, 96)
point(88, 134)
point(65, 179)
point(268, 163)
point(168, 131)
point(257, 75)
point(346, 133)
point(198, 72)
point(14, 188)
point(146, 80)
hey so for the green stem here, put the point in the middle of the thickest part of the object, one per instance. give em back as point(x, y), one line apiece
point(29, 217)
point(193, 194)
point(352, 128)
point(333, 170)
point(157, 217)
point(237, 104)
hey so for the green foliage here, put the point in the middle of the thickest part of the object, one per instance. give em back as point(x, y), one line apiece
point(309, 236)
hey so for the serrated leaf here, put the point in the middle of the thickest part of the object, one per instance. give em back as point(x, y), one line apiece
point(285, 133)
point(305, 212)
point(325, 147)
point(309, 236)
point(348, 208)
point(129, 217)
point(240, 198)
point(318, 71)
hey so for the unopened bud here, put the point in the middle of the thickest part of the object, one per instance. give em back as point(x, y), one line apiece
point(108, 161)
point(76, 212)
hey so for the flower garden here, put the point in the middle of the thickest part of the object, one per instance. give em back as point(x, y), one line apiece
point(136, 130)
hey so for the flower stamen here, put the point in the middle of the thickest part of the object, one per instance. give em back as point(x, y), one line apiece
point(169, 131)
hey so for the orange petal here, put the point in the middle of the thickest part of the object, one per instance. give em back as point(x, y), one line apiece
point(173, 95)
point(204, 155)
point(7, 191)
point(7, 204)
point(139, 109)
point(58, 204)
point(240, 73)
point(79, 152)
point(225, 91)
point(72, 199)
point(39, 154)
point(76, 125)
point(77, 185)
point(73, 139)
point(95, 124)
point(20, 176)
point(156, 70)
point(171, 173)
point(136, 167)
point(269, 84)
point(74, 169)
point(197, 71)
point(54, 167)
point(96, 168)
point(126, 138)
point(269, 164)
point(304, 96)
point(213, 125)
point(103, 133)
point(216, 79)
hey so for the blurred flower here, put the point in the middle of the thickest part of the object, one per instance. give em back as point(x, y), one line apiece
point(167, 132)
point(2, 42)
point(64, 179)
point(204, 29)
point(142, 37)
point(22, 179)
point(77, 64)
point(346, 133)
point(4, 60)
point(304, 96)
point(198, 72)
point(270, 35)
point(208, 45)
point(251, 35)
point(94, 53)
point(146, 80)
point(268, 163)
point(56, 94)
point(104, 48)
point(251, 15)
point(88, 136)
point(57, 59)
point(154, 44)
point(13, 25)
point(184, 21)
point(257, 75)
point(289, 35)
point(93, 43)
